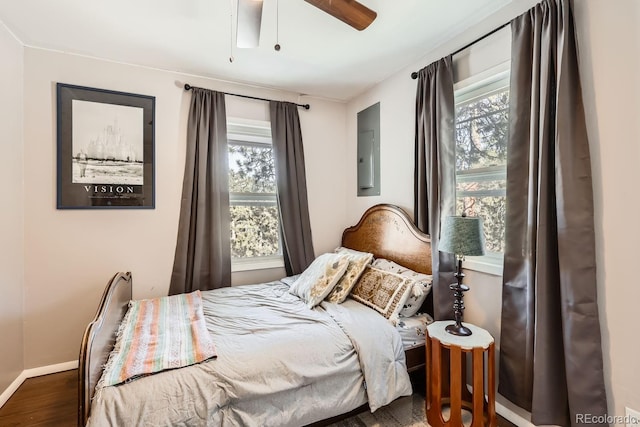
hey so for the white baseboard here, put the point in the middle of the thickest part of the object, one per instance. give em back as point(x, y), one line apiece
point(12, 388)
point(511, 416)
point(509, 411)
point(35, 372)
point(50, 369)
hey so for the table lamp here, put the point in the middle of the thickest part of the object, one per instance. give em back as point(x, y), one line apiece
point(462, 236)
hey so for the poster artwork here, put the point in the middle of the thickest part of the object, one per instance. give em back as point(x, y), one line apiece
point(105, 149)
point(107, 144)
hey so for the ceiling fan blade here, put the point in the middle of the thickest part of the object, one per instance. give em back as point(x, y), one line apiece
point(249, 21)
point(348, 11)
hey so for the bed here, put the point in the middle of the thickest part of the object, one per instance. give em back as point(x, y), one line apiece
point(384, 230)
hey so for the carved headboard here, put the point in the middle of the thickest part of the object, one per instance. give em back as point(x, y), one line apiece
point(386, 231)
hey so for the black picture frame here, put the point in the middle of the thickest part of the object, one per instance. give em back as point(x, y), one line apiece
point(105, 149)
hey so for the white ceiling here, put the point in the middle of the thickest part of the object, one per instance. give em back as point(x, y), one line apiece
point(320, 56)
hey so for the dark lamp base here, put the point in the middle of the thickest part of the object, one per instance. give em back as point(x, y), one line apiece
point(458, 330)
point(458, 306)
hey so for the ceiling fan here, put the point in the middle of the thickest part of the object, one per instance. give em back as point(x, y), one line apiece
point(249, 15)
point(348, 11)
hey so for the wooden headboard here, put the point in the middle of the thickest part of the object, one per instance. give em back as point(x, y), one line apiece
point(386, 231)
point(99, 338)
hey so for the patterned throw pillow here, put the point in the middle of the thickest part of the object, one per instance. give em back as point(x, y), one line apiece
point(383, 291)
point(357, 263)
point(420, 290)
point(315, 283)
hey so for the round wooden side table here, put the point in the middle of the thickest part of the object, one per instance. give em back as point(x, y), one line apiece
point(446, 376)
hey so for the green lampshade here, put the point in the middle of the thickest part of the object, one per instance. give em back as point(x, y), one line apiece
point(462, 235)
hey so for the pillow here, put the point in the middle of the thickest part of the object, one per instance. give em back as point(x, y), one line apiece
point(290, 280)
point(315, 283)
point(343, 250)
point(383, 291)
point(420, 290)
point(413, 330)
point(357, 263)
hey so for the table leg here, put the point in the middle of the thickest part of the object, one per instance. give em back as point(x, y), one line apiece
point(478, 387)
point(434, 383)
point(455, 380)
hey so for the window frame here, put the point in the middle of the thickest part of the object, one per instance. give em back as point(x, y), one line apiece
point(253, 133)
point(477, 86)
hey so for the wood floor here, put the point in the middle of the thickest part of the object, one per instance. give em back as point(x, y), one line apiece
point(49, 400)
point(52, 400)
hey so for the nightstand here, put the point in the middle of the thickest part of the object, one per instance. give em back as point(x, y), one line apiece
point(447, 356)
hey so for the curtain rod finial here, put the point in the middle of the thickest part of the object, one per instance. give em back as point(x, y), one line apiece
point(187, 86)
point(414, 75)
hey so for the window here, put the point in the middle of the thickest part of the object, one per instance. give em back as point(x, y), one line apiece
point(255, 217)
point(482, 117)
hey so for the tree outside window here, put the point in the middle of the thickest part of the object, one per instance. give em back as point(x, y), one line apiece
point(482, 117)
point(255, 223)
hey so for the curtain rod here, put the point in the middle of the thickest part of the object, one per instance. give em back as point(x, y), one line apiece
point(414, 75)
point(187, 86)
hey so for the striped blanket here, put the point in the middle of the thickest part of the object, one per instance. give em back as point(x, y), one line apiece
point(159, 334)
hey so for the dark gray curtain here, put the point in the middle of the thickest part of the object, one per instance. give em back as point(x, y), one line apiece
point(550, 350)
point(203, 253)
point(292, 186)
point(435, 171)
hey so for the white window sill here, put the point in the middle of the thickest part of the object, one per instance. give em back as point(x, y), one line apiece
point(490, 264)
point(257, 263)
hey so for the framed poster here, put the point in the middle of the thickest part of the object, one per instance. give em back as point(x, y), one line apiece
point(105, 149)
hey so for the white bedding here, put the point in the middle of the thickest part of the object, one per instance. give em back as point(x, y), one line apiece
point(279, 364)
point(413, 329)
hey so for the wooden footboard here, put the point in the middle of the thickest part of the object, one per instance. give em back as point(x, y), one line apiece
point(99, 339)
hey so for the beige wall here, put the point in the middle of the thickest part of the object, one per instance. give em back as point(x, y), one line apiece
point(608, 45)
point(11, 212)
point(70, 254)
point(609, 40)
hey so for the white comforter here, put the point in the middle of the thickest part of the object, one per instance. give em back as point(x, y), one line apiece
point(279, 364)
